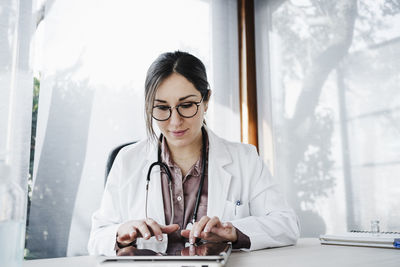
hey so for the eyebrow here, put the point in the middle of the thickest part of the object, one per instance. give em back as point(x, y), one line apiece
point(180, 99)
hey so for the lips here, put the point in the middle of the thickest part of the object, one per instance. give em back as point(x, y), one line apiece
point(179, 133)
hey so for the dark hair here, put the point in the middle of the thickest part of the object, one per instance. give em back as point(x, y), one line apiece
point(183, 63)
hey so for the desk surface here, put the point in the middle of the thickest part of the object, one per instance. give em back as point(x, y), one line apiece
point(308, 252)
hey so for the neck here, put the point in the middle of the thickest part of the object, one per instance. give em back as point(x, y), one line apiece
point(187, 153)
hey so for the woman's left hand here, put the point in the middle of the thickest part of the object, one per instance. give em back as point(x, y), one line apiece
point(211, 229)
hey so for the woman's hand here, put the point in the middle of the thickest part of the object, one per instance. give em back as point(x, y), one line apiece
point(130, 231)
point(211, 229)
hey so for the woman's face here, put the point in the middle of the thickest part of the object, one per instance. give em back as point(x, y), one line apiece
point(179, 131)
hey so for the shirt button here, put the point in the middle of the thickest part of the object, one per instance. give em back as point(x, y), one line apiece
point(179, 198)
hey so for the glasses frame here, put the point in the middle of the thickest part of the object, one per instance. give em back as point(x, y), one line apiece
point(177, 109)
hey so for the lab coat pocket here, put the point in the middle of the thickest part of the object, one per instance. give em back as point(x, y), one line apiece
point(235, 210)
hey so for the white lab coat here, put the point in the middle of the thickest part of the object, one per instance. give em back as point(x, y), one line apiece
point(235, 173)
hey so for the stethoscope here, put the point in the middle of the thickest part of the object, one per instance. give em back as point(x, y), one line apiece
point(166, 169)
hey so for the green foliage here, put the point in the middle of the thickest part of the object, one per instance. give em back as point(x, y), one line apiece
point(35, 108)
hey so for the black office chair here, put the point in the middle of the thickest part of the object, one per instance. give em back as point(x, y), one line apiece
point(112, 157)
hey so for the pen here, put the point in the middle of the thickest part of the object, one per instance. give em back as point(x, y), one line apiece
point(237, 203)
point(396, 243)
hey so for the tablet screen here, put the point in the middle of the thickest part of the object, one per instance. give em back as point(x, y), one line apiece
point(204, 249)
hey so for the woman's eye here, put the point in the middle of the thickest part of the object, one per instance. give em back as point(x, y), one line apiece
point(187, 105)
point(163, 108)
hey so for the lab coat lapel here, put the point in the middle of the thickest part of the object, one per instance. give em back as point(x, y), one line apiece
point(218, 177)
point(155, 204)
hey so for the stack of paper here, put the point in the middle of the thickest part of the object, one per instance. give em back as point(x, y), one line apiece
point(368, 239)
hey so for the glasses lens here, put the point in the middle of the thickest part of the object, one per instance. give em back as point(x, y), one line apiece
point(187, 110)
point(161, 113)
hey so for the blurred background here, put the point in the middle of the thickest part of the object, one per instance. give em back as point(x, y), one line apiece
point(326, 75)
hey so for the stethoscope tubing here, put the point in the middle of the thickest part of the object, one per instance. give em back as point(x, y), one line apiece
point(165, 167)
point(169, 176)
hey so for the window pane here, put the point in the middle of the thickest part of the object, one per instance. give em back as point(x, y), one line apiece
point(332, 73)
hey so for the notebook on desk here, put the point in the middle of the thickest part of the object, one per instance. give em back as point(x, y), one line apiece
point(363, 238)
point(207, 254)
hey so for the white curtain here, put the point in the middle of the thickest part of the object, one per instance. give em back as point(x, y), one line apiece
point(92, 58)
point(327, 74)
point(16, 87)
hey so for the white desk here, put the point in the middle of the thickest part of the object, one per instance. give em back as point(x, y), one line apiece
point(308, 252)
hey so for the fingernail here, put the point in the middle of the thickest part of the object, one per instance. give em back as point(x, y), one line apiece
point(146, 235)
point(160, 237)
point(191, 241)
point(205, 230)
point(196, 234)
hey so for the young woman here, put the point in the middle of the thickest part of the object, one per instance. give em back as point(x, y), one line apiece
point(201, 188)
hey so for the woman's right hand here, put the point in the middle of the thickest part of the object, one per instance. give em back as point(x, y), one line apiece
point(130, 231)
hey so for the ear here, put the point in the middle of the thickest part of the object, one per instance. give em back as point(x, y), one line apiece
point(208, 95)
point(208, 99)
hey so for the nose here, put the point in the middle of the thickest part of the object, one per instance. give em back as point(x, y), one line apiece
point(175, 118)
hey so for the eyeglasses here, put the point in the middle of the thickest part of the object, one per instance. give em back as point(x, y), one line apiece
point(185, 110)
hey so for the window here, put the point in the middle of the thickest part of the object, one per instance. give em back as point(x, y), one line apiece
point(329, 76)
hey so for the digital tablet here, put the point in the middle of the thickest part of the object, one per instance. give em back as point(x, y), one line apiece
point(202, 255)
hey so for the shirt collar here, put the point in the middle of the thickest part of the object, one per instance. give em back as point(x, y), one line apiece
point(166, 157)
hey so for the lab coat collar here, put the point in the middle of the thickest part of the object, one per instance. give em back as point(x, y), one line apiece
point(219, 177)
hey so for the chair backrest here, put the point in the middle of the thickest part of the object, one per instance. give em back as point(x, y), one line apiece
point(112, 157)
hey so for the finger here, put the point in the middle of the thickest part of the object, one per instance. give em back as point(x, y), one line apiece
point(221, 228)
point(143, 230)
point(227, 231)
point(170, 228)
point(123, 237)
point(197, 229)
point(133, 234)
point(155, 228)
point(185, 233)
point(231, 230)
point(214, 222)
point(199, 226)
point(191, 235)
point(214, 231)
point(227, 228)
point(228, 225)
point(127, 237)
point(124, 240)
